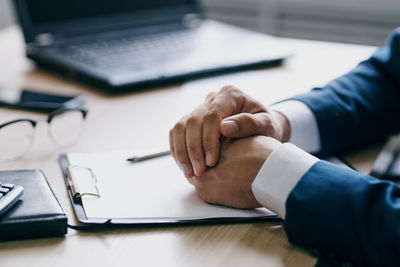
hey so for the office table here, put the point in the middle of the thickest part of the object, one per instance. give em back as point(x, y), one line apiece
point(141, 120)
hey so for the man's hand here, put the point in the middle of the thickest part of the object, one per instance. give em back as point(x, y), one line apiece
point(195, 139)
point(229, 183)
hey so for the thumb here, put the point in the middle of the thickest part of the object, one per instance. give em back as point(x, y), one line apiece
point(246, 124)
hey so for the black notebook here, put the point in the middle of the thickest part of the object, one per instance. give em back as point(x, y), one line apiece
point(37, 214)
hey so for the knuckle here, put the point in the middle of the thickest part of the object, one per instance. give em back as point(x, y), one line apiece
point(266, 117)
point(251, 123)
point(228, 88)
point(258, 124)
point(209, 142)
point(212, 115)
point(180, 154)
point(236, 96)
point(265, 122)
point(192, 121)
point(232, 91)
point(269, 130)
point(179, 126)
point(193, 149)
point(247, 118)
point(211, 95)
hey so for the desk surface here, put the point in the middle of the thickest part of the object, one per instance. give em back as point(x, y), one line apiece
point(141, 120)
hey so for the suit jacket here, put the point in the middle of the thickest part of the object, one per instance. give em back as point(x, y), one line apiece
point(339, 211)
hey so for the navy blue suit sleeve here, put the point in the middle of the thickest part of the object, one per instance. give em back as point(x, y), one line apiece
point(361, 107)
point(340, 211)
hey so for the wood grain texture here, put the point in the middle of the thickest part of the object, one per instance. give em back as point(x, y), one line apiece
point(141, 120)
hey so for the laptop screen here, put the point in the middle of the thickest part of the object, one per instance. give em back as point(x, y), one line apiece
point(45, 11)
point(64, 17)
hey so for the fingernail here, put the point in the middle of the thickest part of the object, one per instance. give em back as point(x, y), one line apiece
point(230, 126)
point(209, 158)
point(185, 169)
point(196, 167)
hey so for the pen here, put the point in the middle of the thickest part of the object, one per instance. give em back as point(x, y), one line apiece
point(149, 156)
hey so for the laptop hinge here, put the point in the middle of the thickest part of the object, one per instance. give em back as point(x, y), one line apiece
point(44, 39)
point(191, 20)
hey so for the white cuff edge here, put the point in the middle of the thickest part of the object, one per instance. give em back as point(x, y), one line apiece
point(279, 175)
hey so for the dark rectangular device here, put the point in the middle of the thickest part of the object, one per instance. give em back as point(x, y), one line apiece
point(120, 45)
point(37, 101)
point(37, 213)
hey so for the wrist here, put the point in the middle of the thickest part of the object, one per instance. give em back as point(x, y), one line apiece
point(282, 126)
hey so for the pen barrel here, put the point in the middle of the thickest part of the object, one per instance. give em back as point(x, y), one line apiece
point(149, 156)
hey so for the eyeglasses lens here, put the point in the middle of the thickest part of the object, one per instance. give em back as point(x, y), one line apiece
point(15, 140)
point(65, 128)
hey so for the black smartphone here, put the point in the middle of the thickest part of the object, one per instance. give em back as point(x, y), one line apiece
point(37, 101)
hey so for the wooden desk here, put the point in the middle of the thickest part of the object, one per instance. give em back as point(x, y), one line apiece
point(140, 120)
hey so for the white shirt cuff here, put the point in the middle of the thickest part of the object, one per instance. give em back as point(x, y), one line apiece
point(279, 175)
point(303, 124)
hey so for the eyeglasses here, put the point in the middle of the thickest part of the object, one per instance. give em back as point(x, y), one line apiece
point(64, 127)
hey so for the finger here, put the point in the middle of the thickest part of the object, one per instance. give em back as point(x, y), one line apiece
point(190, 180)
point(171, 147)
point(225, 103)
point(211, 138)
point(228, 101)
point(252, 106)
point(180, 151)
point(171, 143)
point(194, 146)
point(246, 124)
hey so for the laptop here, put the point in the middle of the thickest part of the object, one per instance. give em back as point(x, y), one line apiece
point(120, 45)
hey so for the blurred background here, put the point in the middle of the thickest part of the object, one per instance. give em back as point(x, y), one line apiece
point(350, 21)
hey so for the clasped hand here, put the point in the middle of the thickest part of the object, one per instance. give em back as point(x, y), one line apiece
point(202, 139)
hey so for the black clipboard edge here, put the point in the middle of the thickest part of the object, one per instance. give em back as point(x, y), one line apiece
point(82, 218)
point(76, 203)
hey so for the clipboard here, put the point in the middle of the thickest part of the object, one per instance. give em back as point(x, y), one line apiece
point(85, 176)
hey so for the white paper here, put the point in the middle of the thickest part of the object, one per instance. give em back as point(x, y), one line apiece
point(150, 189)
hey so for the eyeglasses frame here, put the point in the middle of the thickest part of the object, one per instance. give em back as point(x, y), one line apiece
point(49, 119)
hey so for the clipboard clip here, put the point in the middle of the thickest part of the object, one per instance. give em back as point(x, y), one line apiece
point(82, 182)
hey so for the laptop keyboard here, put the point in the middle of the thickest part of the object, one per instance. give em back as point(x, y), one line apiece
point(131, 50)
